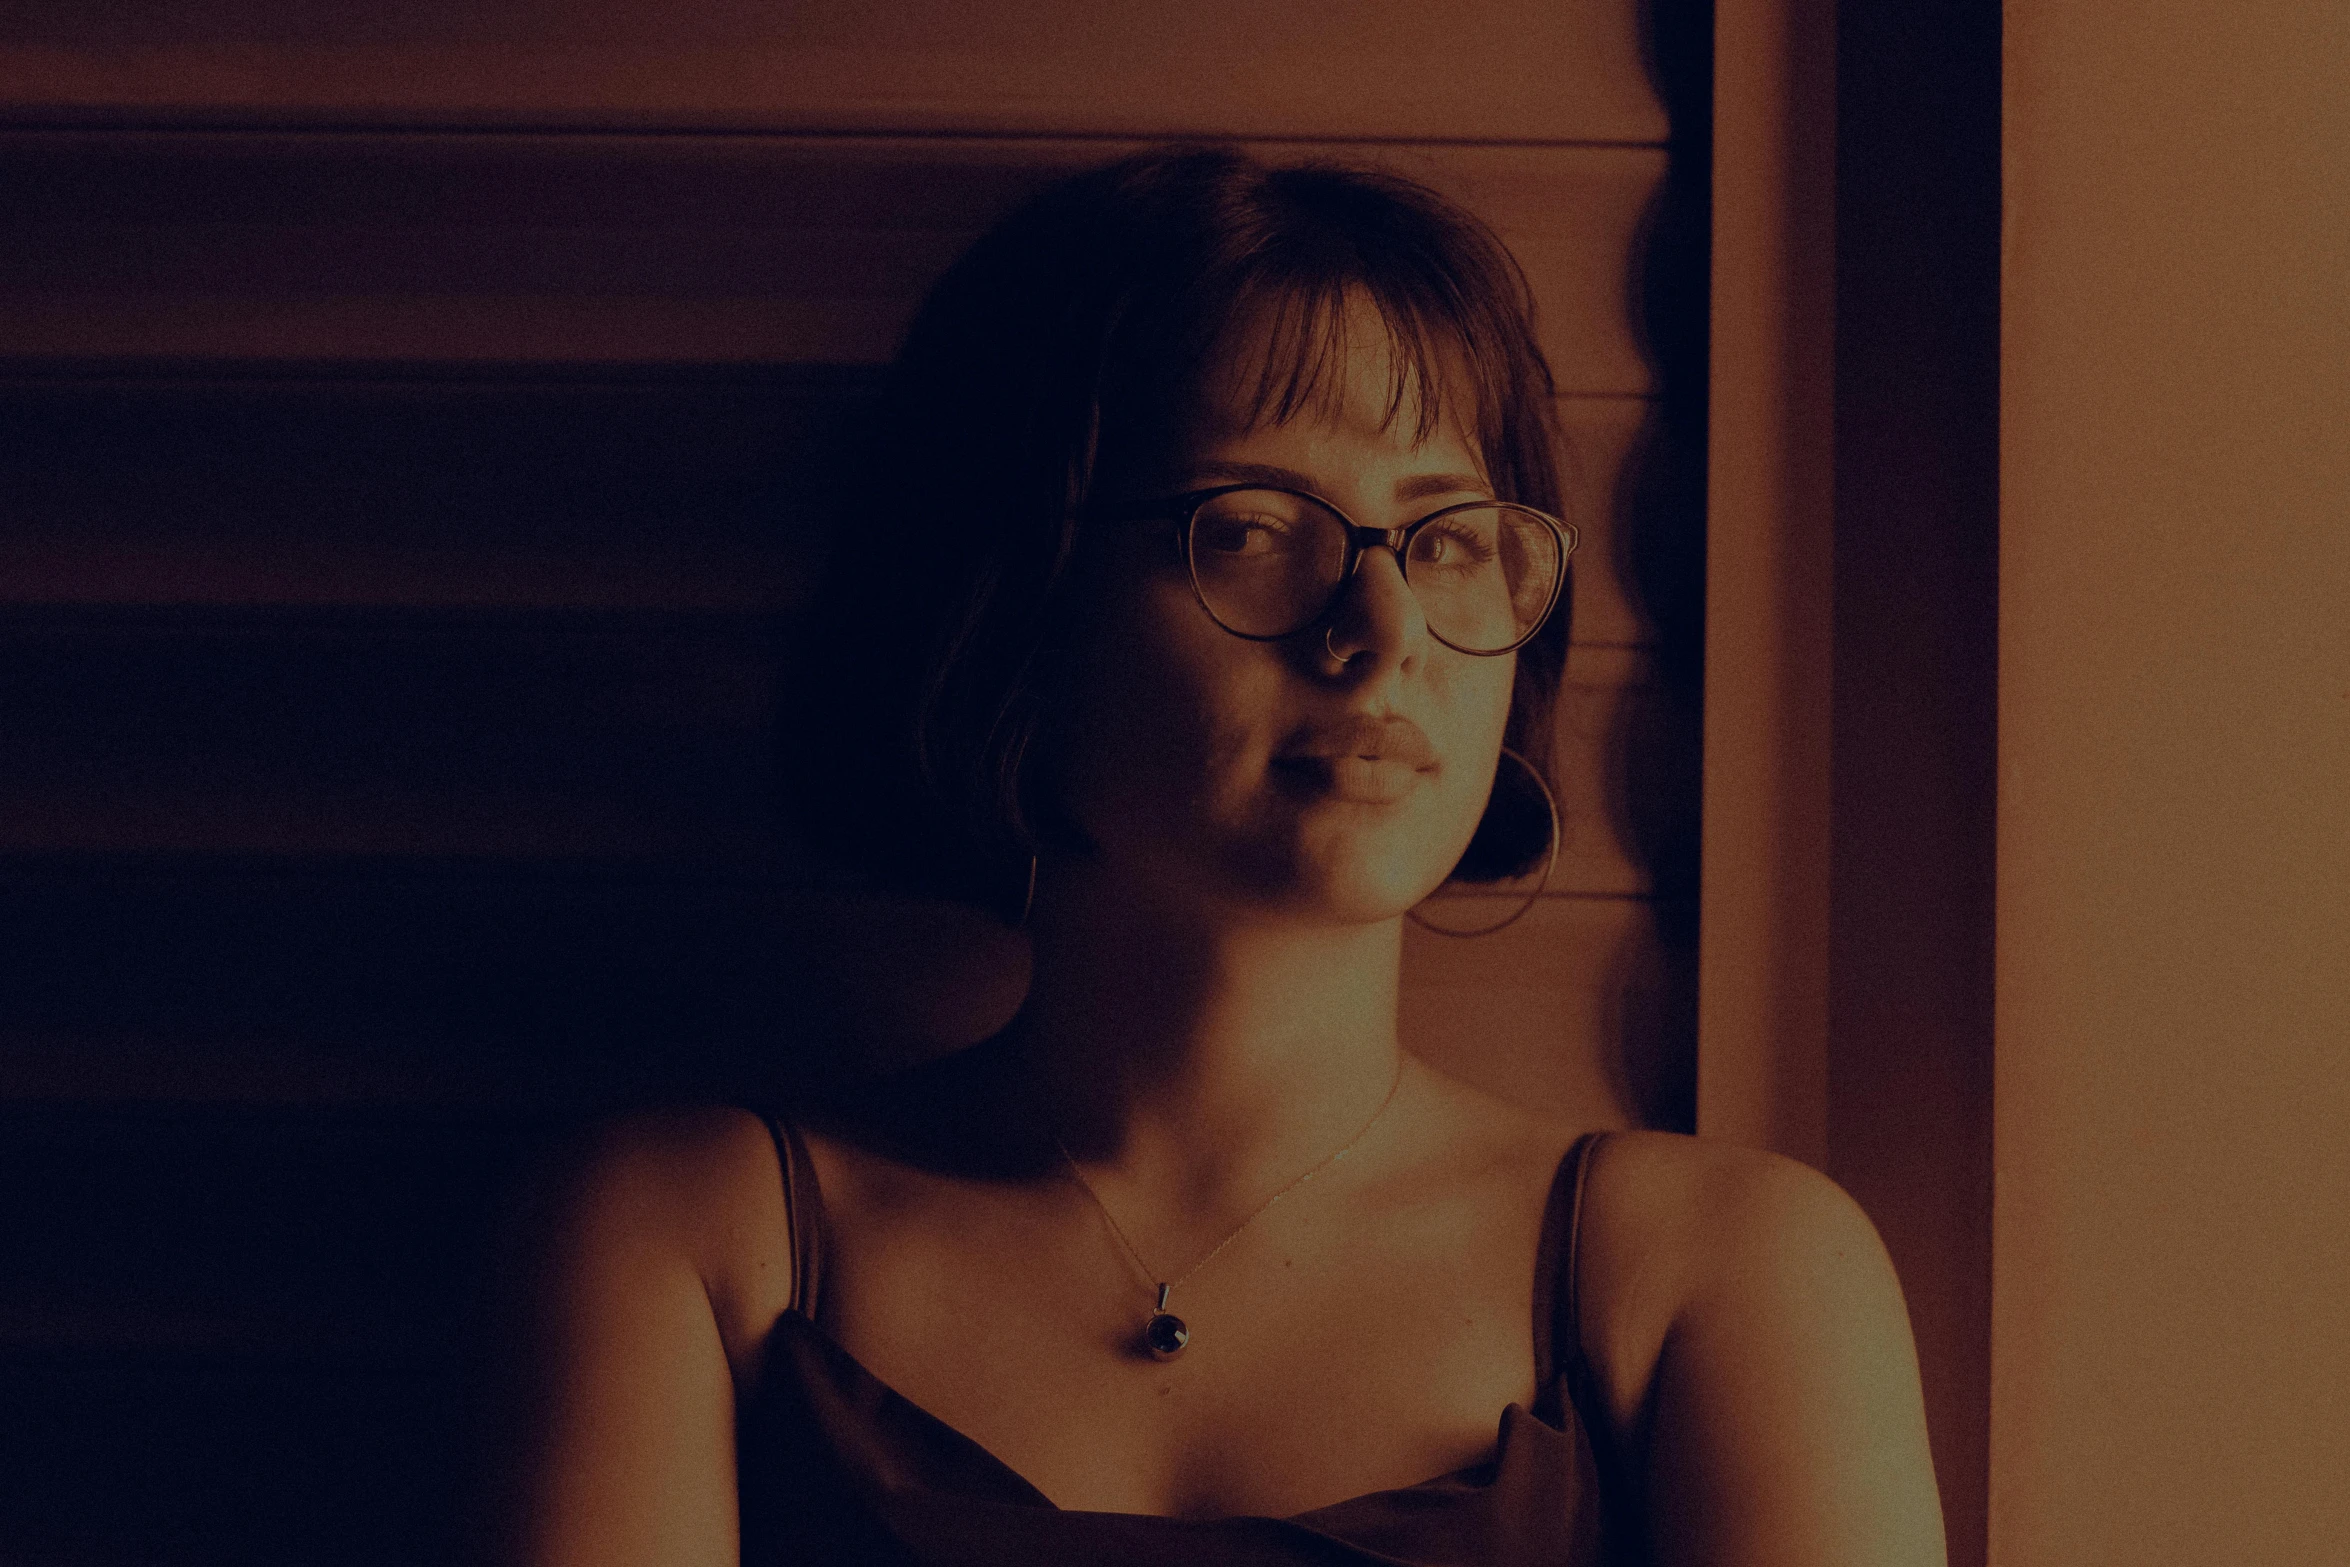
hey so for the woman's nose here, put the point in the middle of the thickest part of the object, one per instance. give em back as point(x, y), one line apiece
point(1377, 614)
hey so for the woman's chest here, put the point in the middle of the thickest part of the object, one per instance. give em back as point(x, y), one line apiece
point(1326, 1360)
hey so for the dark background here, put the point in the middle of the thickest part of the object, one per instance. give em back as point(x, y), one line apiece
point(390, 757)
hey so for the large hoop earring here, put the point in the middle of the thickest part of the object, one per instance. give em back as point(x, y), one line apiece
point(1550, 863)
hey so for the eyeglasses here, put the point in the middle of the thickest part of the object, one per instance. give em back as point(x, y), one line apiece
point(1268, 563)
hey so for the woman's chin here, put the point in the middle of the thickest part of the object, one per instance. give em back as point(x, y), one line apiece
point(1380, 869)
point(1348, 889)
point(1355, 864)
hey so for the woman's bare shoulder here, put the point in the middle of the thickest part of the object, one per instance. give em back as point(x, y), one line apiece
point(696, 1186)
point(1702, 1215)
point(1675, 1225)
point(1709, 1191)
point(1750, 1337)
point(640, 1262)
point(672, 1167)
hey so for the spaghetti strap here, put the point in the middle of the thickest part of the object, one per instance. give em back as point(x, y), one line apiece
point(1577, 1367)
point(1559, 1361)
point(803, 1212)
point(1575, 1377)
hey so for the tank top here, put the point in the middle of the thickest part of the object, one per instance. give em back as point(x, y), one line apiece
point(836, 1467)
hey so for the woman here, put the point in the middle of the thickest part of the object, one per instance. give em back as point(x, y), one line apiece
point(1206, 571)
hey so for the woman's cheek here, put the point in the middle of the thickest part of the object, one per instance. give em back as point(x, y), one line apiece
point(1154, 736)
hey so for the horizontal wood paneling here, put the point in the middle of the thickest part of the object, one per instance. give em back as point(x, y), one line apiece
point(423, 488)
point(441, 487)
point(1575, 1005)
point(1601, 434)
point(416, 733)
point(1609, 694)
point(1516, 71)
point(322, 981)
point(646, 738)
point(393, 960)
point(394, 533)
point(642, 250)
point(479, 614)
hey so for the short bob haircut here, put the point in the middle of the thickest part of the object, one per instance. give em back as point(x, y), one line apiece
point(1070, 346)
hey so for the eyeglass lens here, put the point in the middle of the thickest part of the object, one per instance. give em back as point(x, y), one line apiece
point(1268, 563)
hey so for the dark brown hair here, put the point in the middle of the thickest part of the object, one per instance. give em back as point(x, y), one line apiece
point(1061, 349)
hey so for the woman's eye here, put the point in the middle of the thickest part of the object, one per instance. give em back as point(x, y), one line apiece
point(1452, 546)
point(1243, 535)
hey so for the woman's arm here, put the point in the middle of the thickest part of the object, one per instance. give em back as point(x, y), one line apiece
point(619, 1442)
point(1783, 1425)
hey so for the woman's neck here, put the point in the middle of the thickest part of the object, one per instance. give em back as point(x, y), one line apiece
point(1200, 1060)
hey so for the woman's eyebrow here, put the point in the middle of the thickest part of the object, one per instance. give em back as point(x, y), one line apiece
point(1251, 473)
point(1421, 486)
point(1417, 487)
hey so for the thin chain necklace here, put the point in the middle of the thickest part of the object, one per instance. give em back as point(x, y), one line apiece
point(1163, 1333)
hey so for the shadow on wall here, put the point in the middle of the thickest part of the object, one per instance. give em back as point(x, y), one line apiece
point(1655, 748)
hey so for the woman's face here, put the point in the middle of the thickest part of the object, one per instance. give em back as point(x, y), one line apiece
point(1267, 775)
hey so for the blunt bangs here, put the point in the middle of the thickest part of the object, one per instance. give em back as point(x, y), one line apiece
point(1285, 260)
point(1309, 338)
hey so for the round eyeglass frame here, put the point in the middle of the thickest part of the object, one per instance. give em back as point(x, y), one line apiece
point(1185, 508)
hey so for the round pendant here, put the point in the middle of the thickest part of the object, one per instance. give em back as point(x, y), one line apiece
point(1165, 1335)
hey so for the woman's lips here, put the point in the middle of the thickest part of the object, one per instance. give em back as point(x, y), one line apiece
point(1380, 736)
point(1360, 757)
point(1365, 779)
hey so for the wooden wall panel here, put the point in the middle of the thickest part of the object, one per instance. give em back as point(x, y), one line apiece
point(2170, 1238)
point(1515, 1011)
point(1850, 745)
point(1503, 70)
point(684, 489)
point(666, 250)
point(1770, 564)
point(1601, 435)
point(1608, 693)
point(493, 615)
point(646, 737)
point(547, 989)
point(411, 420)
point(409, 733)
